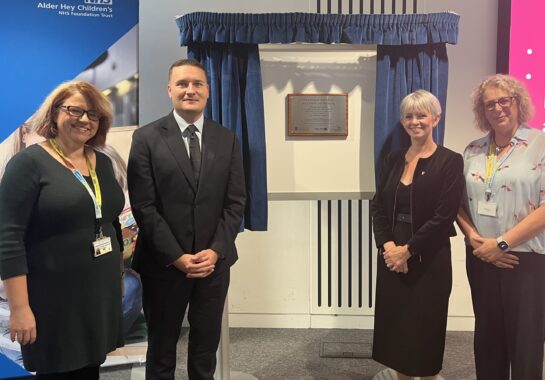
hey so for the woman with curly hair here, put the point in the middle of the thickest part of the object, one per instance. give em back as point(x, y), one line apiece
point(503, 219)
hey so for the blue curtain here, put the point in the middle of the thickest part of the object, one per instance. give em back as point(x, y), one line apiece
point(411, 54)
point(400, 71)
point(236, 101)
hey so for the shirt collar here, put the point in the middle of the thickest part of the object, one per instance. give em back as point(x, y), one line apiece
point(520, 135)
point(182, 124)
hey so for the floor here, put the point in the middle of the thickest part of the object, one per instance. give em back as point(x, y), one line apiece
point(298, 354)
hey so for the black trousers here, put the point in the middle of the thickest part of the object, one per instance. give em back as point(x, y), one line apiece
point(509, 307)
point(87, 373)
point(165, 303)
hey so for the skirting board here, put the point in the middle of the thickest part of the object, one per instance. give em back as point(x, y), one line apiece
point(306, 321)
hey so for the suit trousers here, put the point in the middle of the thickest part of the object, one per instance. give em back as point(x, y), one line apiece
point(165, 302)
point(509, 307)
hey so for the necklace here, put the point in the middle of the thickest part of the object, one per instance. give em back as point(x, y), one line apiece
point(499, 148)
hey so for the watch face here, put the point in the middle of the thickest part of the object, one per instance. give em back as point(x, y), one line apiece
point(503, 245)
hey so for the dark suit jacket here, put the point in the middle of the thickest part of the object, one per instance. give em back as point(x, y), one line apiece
point(174, 214)
point(436, 194)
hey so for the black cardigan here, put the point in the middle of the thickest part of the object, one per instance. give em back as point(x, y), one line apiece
point(436, 193)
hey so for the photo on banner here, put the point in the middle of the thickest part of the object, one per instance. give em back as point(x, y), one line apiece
point(94, 41)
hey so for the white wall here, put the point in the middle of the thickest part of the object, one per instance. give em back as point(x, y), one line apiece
point(319, 166)
point(271, 282)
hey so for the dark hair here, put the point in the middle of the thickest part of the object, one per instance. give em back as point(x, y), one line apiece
point(186, 62)
point(43, 122)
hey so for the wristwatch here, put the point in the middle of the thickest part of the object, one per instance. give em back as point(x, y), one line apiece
point(502, 244)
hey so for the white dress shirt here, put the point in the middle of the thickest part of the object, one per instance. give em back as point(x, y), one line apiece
point(182, 124)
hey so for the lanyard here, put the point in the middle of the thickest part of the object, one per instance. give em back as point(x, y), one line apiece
point(492, 166)
point(96, 196)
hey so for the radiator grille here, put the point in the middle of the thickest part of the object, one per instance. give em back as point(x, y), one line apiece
point(344, 261)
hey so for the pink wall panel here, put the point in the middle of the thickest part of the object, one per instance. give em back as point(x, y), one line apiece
point(527, 52)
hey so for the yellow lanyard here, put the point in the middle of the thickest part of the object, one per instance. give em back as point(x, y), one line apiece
point(96, 196)
point(492, 167)
point(491, 159)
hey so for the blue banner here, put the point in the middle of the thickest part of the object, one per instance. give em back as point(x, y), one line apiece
point(44, 43)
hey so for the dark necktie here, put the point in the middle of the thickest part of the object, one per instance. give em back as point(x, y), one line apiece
point(194, 149)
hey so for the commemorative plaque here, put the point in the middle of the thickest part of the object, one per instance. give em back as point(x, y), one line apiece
point(317, 114)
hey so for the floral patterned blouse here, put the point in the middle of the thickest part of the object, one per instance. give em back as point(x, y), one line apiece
point(517, 187)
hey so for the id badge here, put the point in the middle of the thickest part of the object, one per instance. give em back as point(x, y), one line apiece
point(487, 208)
point(102, 246)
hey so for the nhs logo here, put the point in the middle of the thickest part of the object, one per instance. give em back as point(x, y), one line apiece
point(99, 2)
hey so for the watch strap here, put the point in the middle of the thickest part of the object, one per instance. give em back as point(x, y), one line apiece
point(502, 244)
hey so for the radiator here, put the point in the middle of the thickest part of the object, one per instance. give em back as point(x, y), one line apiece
point(343, 258)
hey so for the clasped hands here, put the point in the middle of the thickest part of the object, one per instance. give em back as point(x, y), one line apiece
point(199, 265)
point(396, 257)
point(487, 250)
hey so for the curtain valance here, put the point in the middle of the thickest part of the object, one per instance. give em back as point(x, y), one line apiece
point(390, 29)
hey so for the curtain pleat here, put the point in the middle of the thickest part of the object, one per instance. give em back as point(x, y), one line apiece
point(236, 102)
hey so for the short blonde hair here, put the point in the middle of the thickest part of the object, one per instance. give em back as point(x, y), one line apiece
point(44, 124)
point(508, 84)
point(420, 100)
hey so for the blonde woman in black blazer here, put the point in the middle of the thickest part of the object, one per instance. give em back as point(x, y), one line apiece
point(414, 208)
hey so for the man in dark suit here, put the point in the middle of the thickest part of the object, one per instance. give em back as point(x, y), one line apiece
point(187, 191)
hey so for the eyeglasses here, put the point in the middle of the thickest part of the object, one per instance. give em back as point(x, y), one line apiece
point(503, 102)
point(79, 112)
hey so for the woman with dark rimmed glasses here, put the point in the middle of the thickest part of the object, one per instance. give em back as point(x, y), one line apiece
point(60, 239)
point(503, 219)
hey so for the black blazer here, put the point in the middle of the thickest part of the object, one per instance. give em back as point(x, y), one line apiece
point(174, 213)
point(436, 193)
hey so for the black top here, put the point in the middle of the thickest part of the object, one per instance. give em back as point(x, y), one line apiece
point(436, 193)
point(403, 199)
point(47, 226)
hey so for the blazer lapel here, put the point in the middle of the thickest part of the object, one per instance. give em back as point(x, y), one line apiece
point(175, 142)
point(208, 148)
